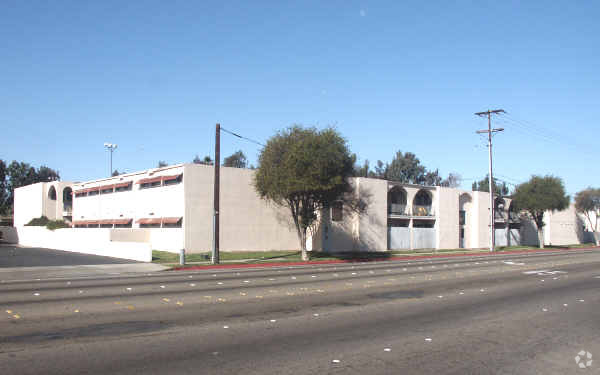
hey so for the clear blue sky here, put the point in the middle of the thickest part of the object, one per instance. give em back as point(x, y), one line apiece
point(155, 76)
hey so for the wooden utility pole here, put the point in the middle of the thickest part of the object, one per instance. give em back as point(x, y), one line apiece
point(489, 132)
point(215, 250)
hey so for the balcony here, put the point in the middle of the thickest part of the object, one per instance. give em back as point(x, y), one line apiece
point(397, 209)
point(419, 210)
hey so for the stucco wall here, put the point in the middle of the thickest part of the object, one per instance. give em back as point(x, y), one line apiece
point(247, 223)
point(28, 203)
point(88, 241)
point(563, 227)
point(372, 225)
point(447, 218)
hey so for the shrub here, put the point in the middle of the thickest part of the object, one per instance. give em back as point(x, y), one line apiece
point(43, 221)
point(38, 222)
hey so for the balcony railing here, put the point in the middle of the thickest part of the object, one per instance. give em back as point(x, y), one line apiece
point(419, 210)
point(499, 216)
point(67, 209)
point(397, 209)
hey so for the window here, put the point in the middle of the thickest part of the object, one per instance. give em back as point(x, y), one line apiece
point(125, 186)
point(79, 194)
point(337, 212)
point(171, 222)
point(106, 190)
point(93, 192)
point(147, 185)
point(461, 217)
point(423, 224)
point(172, 180)
point(150, 225)
point(397, 223)
point(123, 225)
point(106, 225)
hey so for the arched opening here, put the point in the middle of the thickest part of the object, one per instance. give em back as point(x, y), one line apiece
point(422, 204)
point(52, 193)
point(464, 204)
point(67, 200)
point(396, 201)
point(499, 207)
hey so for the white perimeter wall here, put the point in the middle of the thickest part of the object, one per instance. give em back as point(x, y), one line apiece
point(94, 241)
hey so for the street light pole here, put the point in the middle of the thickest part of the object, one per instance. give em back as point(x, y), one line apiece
point(111, 147)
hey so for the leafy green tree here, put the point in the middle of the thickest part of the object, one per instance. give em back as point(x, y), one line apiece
point(304, 170)
point(161, 164)
point(4, 202)
point(205, 161)
point(538, 195)
point(18, 174)
point(453, 181)
point(236, 160)
point(484, 185)
point(587, 202)
point(407, 168)
point(362, 171)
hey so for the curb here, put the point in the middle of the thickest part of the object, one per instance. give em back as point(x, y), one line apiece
point(338, 261)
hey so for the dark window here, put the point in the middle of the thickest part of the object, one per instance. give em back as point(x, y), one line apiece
point(337, 211)
point(461, 217)
point(79, 195)
point(93, 192)
point(150, 185)
point(107, 191)
point(149, 225)
point(397, 223)
point(106, 225)
point(123, 188)
point(174, 181)
point(123, 225)
point(423, 223)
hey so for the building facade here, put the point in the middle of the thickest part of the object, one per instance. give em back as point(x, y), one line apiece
point(171, 208)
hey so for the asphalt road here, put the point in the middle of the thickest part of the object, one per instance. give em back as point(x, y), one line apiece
point(496, 315)
point(17, 256)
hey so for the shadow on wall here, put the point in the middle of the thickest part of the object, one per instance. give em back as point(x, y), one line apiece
point(579, 230)
point(9, 235)
point(529, 235)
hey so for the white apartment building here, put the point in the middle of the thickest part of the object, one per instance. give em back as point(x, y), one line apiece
point(171, 208)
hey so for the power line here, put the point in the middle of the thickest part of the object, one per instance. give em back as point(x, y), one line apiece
point(242, 137)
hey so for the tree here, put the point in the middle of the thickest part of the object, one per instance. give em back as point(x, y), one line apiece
point(161, 163)
point(304, 170)
point(115, 173)
point(4, 202)
point(587, 202)
point(205, 161)
point(432, 178)
point(453, 181)
point(236, 160)
point(19, 174)
point(362, 171)
point(407, 168)
point(538, 195)
point(484, 185)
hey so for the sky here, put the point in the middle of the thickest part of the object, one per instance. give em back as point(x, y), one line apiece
point(155, 77)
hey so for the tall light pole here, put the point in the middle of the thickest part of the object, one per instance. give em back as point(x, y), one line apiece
point(111, 147)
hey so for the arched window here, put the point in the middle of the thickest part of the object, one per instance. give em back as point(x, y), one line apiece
point(422, 204)
point(396, 201)
point(52, 193)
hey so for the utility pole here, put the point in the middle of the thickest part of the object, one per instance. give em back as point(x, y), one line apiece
point(215, 250)
point(489, 132)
